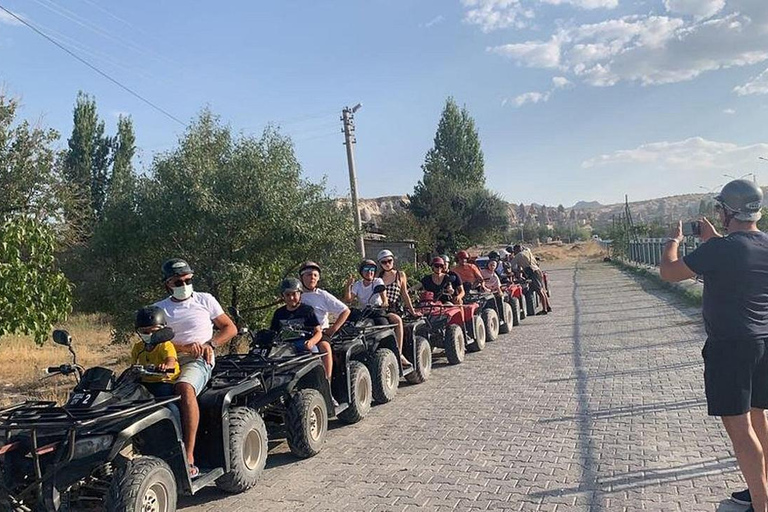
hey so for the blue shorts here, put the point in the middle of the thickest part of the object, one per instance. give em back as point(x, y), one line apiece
point(196, 373)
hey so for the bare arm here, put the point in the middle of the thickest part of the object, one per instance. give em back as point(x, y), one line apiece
point(338, 323)
point(671, 268)
point(404, 293)
point(316, 337)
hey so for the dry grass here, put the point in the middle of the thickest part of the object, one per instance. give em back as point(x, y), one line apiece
point(23, 362)
point(584, 250)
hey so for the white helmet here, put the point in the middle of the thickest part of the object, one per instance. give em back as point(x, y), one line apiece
point(384, 253)
point(503, 254)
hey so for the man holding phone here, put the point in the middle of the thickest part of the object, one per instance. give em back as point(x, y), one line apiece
point(735, 311)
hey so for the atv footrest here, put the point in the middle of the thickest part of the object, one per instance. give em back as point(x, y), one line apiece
point(206, 478)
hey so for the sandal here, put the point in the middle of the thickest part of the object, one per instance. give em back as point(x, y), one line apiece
point(405, 362)
point(194, 472)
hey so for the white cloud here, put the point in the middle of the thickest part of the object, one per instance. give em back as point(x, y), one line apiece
point(652, 49)
point(695, 8)
point(7, 19)
point(531, 97)
point(729, 111)
point(693, 154)
point(434, 21)
point(560, 82)
point(586, 4)
point(533, 54)
point(757, 85)
point(493, 15)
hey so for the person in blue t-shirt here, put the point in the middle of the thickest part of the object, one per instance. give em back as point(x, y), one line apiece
point(735, 311)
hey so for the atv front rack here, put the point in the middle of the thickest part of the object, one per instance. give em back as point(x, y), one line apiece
point(233, 370)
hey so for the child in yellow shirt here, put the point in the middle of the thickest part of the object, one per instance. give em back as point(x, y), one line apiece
point(162, 355)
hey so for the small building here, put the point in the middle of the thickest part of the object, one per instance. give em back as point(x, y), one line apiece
point(404, 250)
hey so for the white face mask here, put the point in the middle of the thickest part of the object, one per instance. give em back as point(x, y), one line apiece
point(146, 338)
point(182, 292)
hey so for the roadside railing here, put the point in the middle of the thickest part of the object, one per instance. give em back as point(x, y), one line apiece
point(648, 250)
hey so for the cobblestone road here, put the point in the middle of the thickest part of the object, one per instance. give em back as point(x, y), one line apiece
point(598, 407)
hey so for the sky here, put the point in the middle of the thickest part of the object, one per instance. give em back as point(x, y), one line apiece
point(573, 99)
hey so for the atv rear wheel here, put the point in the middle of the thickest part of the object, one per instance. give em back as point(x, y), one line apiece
point(247, 450)
point(422, 363)
point(307, 423)
point(144, 484)
point(454, 344)
point(516, 313)
point(523, 307)
point(478, 329)
point(359, 393)
point(386, 375)
point(508, 318)
point(491, 321)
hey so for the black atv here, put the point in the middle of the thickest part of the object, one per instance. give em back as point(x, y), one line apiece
point(417, 349)
point(368, 338)
point(113, 446)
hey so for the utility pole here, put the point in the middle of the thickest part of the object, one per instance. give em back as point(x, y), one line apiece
point(348, 118)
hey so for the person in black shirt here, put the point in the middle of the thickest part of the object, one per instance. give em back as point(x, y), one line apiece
point(295, 315)
point(735, 311)
point(441, 283)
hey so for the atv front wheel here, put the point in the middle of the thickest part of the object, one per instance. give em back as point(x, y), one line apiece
point(422, 363)
point(247, 450)
point(307, 423)
point(386, 375)
point(144, 484)
point(454, 344)
point(508, 318)
point(359, 393)
point(478, 330)
point(491, 321)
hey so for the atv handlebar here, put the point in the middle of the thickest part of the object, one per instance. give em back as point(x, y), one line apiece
point(65, 369)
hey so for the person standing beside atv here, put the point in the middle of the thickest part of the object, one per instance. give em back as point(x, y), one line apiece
point(526, 262)
point(441, 282)
point(735, 311)
point(396, 283)
point(468, 272)
point(363, 292)
point(192, 316)
point(162, 356)
point(302, 316)
point(321, 301)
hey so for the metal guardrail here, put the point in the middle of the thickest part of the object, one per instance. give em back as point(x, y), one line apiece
point(648, 250)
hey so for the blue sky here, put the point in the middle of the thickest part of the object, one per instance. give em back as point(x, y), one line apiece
point(574, 99)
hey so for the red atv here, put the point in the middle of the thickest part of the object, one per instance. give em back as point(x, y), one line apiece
point(514, 299)
point(447, 328)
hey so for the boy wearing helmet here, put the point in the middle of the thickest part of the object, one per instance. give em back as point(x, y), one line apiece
point(302, 316)
point(321, 301)
point(735, 311)
point(163, 355)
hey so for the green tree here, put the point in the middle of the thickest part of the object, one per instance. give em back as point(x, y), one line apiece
point(237, 208)
point(762, 224)
point(456, 154)
point(86, 165)
point(34, 294)
point(451, 201)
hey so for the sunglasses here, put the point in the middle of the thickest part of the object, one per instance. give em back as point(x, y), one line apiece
point(182, 282)
point(387, 262)
point(368, 269)
point(437, 265)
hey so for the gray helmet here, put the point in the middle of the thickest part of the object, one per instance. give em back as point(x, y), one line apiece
point(290, 284)
point(175, 267)
point(743, 198)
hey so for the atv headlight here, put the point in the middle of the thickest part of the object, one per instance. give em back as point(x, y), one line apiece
point(90, 445)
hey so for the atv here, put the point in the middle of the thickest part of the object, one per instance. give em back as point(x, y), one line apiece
point(368, 338)
point(113, 446)
point(454, 328)
point(507, 310)
point(416, 349)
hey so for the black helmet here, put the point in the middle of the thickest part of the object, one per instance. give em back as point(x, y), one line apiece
point(516, 248)
point(150, 316)
point(365, 263)
point(494, 255)
point(308, 265)
point(175, 267)
point(290, 284)
point(743, 198)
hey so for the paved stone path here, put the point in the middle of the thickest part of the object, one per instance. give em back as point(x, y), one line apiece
point(598, 407)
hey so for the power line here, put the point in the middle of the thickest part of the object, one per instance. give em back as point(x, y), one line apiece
point(94, 68)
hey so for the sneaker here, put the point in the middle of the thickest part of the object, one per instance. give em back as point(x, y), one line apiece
point(335, 403)
point(742, 497)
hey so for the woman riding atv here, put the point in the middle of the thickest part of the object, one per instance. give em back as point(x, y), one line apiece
point(363, 293)
point(443, 284)
point(396, 284)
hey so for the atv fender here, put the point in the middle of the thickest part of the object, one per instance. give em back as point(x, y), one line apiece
point(160, 435)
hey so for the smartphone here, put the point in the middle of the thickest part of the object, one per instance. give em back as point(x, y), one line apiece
point(692, 228)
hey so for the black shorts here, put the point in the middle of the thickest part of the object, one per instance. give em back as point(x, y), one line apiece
point(735, 376)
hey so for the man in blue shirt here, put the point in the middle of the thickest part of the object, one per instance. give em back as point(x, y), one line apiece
point(735, 311)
